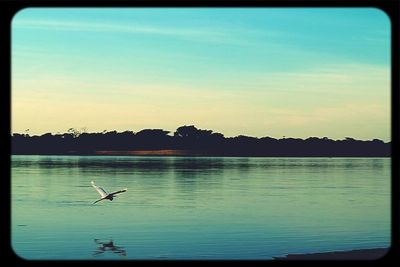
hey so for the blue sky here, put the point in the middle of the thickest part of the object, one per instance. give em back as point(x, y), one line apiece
point(255, 71)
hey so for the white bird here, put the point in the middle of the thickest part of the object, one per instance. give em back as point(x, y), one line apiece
point(104, 194)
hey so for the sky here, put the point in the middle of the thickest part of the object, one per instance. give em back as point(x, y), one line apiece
point(294, 72)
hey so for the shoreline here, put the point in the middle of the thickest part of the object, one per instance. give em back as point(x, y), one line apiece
point(356, 254)
point(194, 153)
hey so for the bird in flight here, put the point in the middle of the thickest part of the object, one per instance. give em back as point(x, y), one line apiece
point(104, 194)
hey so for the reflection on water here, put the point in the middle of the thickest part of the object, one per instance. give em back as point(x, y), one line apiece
point(198, 208)
point(105, 246)
point(184, 165)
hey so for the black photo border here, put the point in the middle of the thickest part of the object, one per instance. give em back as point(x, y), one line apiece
point(8, 8)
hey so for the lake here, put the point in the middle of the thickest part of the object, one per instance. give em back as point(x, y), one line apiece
point(197, 208)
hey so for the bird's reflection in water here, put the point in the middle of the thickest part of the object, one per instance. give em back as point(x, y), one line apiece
point(108, 246)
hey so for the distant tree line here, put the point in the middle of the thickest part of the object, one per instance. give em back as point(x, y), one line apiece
point(189, 138)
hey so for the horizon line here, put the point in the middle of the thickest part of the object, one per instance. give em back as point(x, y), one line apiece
point(171, 133)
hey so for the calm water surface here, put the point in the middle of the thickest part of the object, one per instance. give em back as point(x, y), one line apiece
point(197, 208)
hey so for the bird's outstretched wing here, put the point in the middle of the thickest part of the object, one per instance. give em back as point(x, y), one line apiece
point(101, 191)
point(98, 200)
point(120, 191)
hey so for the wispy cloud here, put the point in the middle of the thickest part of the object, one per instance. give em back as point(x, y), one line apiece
point(343, 79)
point(198, 34)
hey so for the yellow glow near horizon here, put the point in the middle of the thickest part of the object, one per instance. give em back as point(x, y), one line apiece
point(340, 106)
